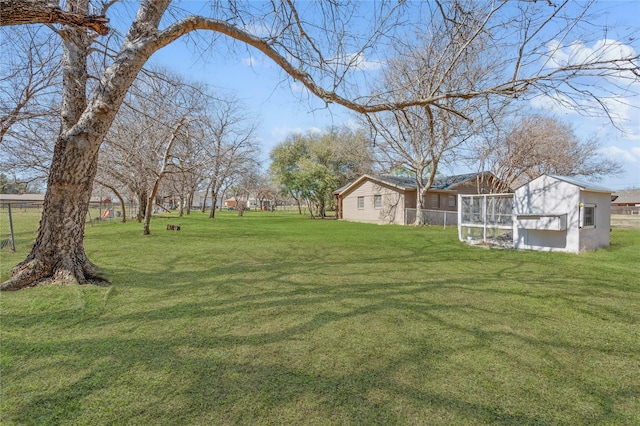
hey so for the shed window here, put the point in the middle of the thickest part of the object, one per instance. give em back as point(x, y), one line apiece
point(589, 216)
point(452, 200)
point(360, 203)
point(377, 201)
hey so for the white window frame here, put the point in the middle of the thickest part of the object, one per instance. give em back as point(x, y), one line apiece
point(377, 201)
point(360, 201)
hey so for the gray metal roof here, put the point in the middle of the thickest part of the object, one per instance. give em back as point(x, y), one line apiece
point(581, 183)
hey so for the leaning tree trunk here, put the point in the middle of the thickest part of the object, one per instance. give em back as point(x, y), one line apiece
point(58, 253)
point(203, 207)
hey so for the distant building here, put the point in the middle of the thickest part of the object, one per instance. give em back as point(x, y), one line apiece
point(37, 200)
point(626, 201)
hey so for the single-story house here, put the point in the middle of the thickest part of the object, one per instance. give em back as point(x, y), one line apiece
point(392, 199)
point(549, 213)
point(37, 200)
point(22, 200)
point(627, 201)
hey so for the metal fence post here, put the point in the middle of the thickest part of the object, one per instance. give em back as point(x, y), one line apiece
point(13, 240)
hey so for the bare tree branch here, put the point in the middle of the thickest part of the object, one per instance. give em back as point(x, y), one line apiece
point(19, 12)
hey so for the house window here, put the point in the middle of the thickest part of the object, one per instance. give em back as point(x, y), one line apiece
point(377, 201)
point(431, 201)
point(452, 200)
point(360, 203)
point(589, 216)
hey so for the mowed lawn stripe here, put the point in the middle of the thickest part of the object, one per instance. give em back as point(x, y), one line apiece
point(273, 318)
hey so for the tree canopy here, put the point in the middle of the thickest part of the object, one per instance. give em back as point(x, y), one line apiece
point(312, 166)
point(534, 145)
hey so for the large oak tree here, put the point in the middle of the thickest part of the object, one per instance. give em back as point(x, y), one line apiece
point(319, 44)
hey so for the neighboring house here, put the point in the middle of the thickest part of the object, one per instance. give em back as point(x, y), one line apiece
point(22, 200)
point(627, 202)
point(392, 199)
point(37, 200)
point(203, 197)
point(550, 213)
point(232, 203)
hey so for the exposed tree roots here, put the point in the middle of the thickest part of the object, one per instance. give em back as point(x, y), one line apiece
point(33, 272)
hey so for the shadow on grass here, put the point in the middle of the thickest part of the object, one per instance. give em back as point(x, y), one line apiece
point(417, 353)
point(452, 335)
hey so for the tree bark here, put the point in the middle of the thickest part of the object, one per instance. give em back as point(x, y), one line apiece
point(142, 205)
point(58, 254)
point(214, 201)
point(18, 12)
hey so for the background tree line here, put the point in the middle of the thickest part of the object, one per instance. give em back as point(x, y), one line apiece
point(445, 61)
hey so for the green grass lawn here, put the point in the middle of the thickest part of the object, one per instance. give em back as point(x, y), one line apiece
point(278, 319)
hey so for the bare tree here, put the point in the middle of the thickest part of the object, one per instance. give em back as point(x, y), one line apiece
point(227, 145)
point(117, 192)
point(312, 43)
point(151, 137)
point(535, 145)
point(29, 77)
point(265, 193)
point(27, 149)
point(418, 139)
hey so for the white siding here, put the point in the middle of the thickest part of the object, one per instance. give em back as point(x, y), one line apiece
point(547, 196)
point(551, 197)
point(592, 238)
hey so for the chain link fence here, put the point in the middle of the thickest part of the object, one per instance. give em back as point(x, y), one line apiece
point(433, 217)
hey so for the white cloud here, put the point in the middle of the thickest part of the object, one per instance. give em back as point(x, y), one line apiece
point(602, 94)
point(250, 61)
point(578, 53)
point(355, 61)
point(616, 153)
point(256, 29)
point(555, 102)
point(358, 61)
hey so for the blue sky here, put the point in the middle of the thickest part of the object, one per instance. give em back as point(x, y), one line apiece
point(281, 106)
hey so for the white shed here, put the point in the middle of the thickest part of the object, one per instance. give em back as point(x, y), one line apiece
point(559, 213)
